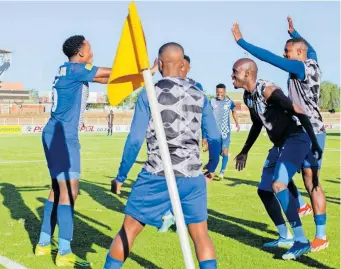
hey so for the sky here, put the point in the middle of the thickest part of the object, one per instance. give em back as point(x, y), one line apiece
point(35, 32)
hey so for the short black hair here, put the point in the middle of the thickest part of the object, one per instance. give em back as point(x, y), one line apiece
point(221, 85)
point(72, 45)
point(186, 57)
point(169, 44)
point(297, 40)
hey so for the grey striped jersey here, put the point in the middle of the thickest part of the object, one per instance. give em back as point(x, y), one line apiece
point(181, 105)
point(277, 122)
point(306, 93)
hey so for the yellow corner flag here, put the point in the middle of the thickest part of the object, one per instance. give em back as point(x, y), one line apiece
point(131, 58)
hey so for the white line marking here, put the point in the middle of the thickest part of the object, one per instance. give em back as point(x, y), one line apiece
point(9, 264)
point(40, 161)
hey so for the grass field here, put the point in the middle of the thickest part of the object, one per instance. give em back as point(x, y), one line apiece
point(238, 223)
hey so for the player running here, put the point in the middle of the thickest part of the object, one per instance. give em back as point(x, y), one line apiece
point(62, 148)
point(269, 107)
point(184, 111)
point(300, 61)
point(222, 106)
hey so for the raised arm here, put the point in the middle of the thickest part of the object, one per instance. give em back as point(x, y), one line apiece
point(291, 66)
point(311, 54)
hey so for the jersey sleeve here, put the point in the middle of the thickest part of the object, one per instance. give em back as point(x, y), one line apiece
point(83, 72)
point(209, 128)
point(233, 105)
point(136, 136)
point(312, 72)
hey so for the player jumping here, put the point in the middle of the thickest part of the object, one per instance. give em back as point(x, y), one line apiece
point(300, 61)
point(269, 107)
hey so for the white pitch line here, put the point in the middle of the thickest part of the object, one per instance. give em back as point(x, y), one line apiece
point(40, 161)
point(9, 264)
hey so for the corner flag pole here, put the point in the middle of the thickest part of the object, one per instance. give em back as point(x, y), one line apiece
point(167, 164)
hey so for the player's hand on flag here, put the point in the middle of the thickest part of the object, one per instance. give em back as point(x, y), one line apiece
point(155, 66)
point(116, 186)
point(204, 145)
point(317, 152)
point(238, 127)
point(240, 161)
point(291, 25)
point(209, 176)
point(236, 32)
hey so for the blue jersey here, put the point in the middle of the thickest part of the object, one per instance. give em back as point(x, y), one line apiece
point(221, 110)
point(70, 93)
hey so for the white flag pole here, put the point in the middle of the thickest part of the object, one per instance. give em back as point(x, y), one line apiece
point(167, 164)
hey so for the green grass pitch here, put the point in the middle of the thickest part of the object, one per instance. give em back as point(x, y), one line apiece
point(238, 223)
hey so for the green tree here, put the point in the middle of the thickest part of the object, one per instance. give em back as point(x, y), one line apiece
point(329, 96)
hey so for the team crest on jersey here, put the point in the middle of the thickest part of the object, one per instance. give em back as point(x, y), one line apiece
point(88, 66)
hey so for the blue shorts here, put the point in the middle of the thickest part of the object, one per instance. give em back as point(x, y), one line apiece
point(283, 162)
point(225, 142)
point(62, 156)
point(310, 161)
point(149, 199)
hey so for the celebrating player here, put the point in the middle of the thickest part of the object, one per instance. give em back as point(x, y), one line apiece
point(300, 61)
point(184, 111)
point(269, 107)
point(62, 148)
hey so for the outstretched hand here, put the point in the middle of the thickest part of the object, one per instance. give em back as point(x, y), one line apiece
point(236, 32)
point(291, 25)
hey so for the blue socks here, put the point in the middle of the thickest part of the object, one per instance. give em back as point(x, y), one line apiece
point(208, 264)
point(224, 164)
point(320, 221)
point(111, 263)
point(284, 231)
point(273, 208)
point(300, 200)
point(289, 207)
point(65, 222)
point(47, 226)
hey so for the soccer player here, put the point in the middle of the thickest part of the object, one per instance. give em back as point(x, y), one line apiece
point(269, 107)
point(110, 120)
point(222, 106)
point(62, 148)
point(300, 61)
point(184, 111)
point(168, 218)
point(185, 70)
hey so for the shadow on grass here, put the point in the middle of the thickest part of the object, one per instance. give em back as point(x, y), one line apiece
point(232, 227)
